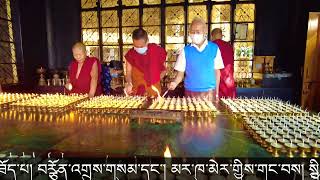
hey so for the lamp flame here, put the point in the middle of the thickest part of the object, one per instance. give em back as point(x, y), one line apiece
point(156, 90)
point(167, 153)
point(69, 86)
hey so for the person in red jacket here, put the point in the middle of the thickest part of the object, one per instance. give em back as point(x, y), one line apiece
point(227, 85)
point(145, 65)
point(84, 73)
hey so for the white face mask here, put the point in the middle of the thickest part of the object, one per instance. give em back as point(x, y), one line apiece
point(197, 38)
point(142, 50)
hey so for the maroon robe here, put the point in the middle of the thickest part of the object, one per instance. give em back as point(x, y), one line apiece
point(146, 69)
point(227, 85)
point(82, 84)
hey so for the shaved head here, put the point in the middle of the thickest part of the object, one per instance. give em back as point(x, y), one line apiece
point(216, 34)
point(198, 25)
point(79, 51)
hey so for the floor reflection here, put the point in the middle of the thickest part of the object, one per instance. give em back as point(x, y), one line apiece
point(79, 134)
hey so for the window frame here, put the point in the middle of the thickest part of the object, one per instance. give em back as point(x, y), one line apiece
point(185, 4)
point(14, 45)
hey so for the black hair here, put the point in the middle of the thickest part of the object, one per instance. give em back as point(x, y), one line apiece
point(140, 33)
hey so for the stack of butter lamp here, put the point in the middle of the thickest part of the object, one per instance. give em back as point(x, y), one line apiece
point(265, 106)
point(292, 136)
point(112, 104)
point(48, 103)
point(7, 98)
point(199, 107)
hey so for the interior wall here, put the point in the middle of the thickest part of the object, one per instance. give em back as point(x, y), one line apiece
point(66, 29)
point(34, 39)
point(311, 79)
point(272, 30)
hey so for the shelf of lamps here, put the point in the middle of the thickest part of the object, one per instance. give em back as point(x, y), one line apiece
point(295, 136)
point(242, 107)
point(190, 106)
point(48, 103)
point(111, 104)
point(7, 98)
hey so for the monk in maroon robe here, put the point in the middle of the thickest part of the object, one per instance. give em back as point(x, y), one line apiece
point(227, 85)
point(145, 66)
point(84, 73)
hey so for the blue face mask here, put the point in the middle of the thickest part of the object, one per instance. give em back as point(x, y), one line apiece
point(141, 50)
point(114, 75)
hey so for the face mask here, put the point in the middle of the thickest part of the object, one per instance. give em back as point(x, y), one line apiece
point(197, 38)
point(114, 75)
point(141, 50)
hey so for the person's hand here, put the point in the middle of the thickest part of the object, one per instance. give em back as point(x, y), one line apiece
point(217, 97)
point(68, 86)
point(172, 86)
point(128, 88)
point(90, 95)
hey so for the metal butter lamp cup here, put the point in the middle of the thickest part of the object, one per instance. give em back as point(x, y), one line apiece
point(42, 81)
point(276, 148)
point(315, 148)
point(270, 141)
point(283, 140)
point(291, 149)
point(304, 148)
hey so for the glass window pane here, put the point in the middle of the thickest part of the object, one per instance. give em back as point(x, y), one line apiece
point(153, 34)
point(130, 2)
point(197, 11)
point(130, 17)
point(110, 53)
point(109, 3)
point(6, 32)
point(151, 1)
point(110, 36)
point(243, 50)
point(195, 1)
point(151, 16)
point(174, 1)
point(109, 19)
point(8, 73)
point(242, 69)
point(175, 34)
point(90, 36)
point(172, 50)
point(221, 13)
point(246, 33)
point(126, 49)
point(172, 54)
point(225, 27)
point(127, 34)
point(244, 13)
point(88, 3)
point(175, 15)
point(89, 19)
point(5, 10)
point(93, 51)
point(7, 53)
